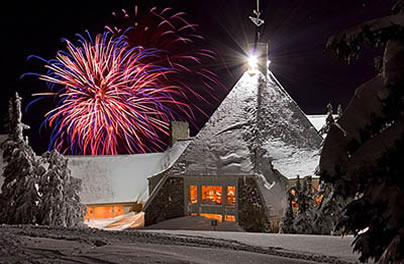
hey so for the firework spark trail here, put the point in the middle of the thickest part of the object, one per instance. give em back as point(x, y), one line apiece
point(181, 47)
point(111, 97)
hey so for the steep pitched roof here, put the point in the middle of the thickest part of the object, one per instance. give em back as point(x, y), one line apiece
point(257, 126)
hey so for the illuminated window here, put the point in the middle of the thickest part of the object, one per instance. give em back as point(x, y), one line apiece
point(218, 217)
point(193, 194)
point(100, 212)
point(212, 195)
point(230, 218)
point(231, 195)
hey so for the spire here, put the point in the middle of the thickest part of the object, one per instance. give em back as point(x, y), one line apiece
point(258, 22)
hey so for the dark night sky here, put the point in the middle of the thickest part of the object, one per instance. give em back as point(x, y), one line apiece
point(297, 31)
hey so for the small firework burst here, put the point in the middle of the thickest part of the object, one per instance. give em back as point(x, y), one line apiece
point(180, 47)
point(112, 98)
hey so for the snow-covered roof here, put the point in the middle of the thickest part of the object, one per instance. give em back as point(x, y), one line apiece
point(318, 121)
point(117, 179)
point(123, 178)
point(246, 120)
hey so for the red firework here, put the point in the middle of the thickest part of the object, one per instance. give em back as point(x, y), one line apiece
point(179, 45)
point(111, 98)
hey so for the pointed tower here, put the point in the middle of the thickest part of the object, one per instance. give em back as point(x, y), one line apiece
point(236, 168)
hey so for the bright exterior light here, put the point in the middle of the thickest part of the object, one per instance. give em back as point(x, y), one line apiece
point(253, 62)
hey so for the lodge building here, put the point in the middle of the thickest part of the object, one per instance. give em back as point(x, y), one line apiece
point(236, 169)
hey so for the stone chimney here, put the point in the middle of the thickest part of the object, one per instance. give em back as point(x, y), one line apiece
point(179, 130)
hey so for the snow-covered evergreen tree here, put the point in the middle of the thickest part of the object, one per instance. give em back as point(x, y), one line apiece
point(329, 121)
point(303, 223)
point(288, 219)
point(19, 197)
point(326, 214)
point(300, 221)
point(60, 203)
point(339, 113)
point(363, 156)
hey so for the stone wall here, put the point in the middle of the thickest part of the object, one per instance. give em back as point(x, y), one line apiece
point(252, 213)
point(153, 181)
point(168, 202)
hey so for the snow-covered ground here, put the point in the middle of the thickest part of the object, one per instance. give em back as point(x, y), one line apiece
point(122, 222)
point(27, 244)
point(335, 246)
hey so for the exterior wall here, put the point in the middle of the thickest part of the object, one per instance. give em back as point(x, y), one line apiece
point(314, 180)
point(252, 215)
point(168, 203)
point(154, 180)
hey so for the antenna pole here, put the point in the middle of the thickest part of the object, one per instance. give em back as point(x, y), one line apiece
point(258, 22)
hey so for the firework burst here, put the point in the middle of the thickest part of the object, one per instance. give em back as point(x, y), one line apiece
point(180, 46)
point(112, 98)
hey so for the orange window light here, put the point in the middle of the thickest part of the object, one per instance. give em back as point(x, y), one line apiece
point(231, 195)
point(212, 195)
point(218, 217)
point(230, 218)
point(193, 194)
point(100, 212)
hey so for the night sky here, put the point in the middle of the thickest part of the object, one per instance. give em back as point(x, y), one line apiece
point(297, 31)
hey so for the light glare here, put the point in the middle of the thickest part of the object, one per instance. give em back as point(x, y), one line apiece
point(253, 62)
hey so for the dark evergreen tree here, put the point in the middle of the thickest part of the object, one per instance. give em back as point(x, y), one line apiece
point(362, 157)
point(326, 214)
point(303, 223)
point(288, 219)
point(19, 197)
point(305, 196)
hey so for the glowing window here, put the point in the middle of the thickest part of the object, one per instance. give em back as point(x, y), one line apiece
point(212, 195)
point(230, 218)
point(218, 217)
point(193, 194)
point(231, 195)
point(100, 212)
